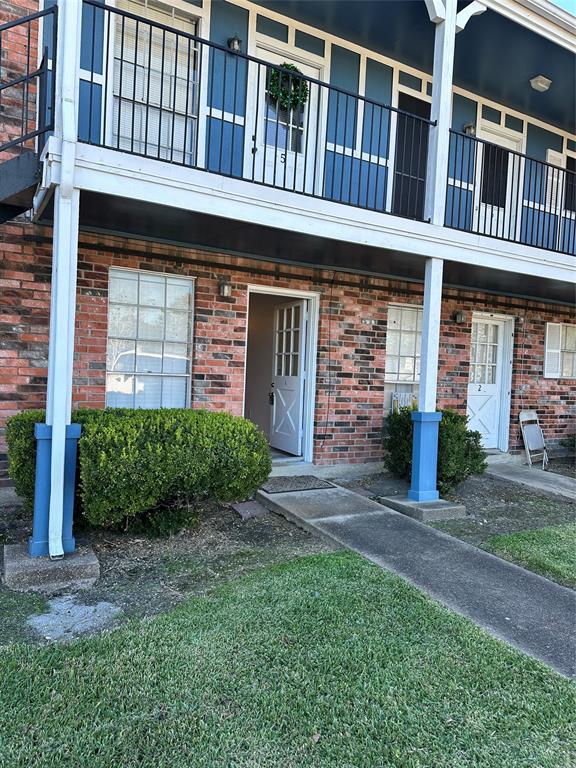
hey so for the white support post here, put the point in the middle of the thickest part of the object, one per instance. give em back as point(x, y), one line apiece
point(441, 112)
point(430, 335)
point(426, 420)
point(64, 264)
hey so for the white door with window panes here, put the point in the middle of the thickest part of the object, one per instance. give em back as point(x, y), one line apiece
point(155, 83)
point(287, 390)
point(485, 385)
point(149, 340)
point(283, 148)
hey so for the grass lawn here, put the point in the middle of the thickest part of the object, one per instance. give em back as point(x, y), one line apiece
point(549, 551)
point(321, 661)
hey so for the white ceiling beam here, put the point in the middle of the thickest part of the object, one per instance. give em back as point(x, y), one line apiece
point(474, 9)
point(436, 10)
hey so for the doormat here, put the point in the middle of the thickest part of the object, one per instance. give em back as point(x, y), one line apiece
point(295, 483)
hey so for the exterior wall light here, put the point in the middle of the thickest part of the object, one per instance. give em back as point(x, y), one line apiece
point(540, 83)
point(460, 317)
point(224, 289)
point(235, 44)
point(470, 129)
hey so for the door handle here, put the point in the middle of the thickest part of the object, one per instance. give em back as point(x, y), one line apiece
point(271, 398)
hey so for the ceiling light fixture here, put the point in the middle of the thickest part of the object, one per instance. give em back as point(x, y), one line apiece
point(540, 83)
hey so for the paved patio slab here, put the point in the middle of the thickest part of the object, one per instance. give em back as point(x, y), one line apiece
point(515, 605)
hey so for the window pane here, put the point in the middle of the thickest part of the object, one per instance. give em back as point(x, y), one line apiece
point(119, 391)
point(568, 363)
point(408, 344)
point(151, 324)
point(122, 321)
point(394, 317)
point(175, 358)
point(569, 337)
point(152, 291)
point(409, 319)
point(148, 392)
point(176, 326)
point(123, 289)
point(392, 342)
point(391, 365)
point(149, 357)
point(174, 392)
point(407, 365)
point(178, 294)
point(120, 355)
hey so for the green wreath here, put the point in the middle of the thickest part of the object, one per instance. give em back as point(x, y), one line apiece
point(288, 92)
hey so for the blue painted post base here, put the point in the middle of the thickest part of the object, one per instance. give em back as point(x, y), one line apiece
point(38, 543)
point(424, 456)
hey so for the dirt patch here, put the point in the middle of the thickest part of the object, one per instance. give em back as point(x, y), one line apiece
point(142, 576)
point(563, 466)
point(493, 506)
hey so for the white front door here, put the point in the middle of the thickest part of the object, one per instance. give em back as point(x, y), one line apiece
point(287, 392)
point(286, 137)
point(498, 175)
point(485, 386)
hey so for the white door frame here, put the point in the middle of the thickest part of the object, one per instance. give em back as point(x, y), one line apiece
point(501, 137)
point(261, 48)
point(506, 381)
point(311, 352)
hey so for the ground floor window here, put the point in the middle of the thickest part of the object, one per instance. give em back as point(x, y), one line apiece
point(560, 355)
point(403, 341)
point(148, 361)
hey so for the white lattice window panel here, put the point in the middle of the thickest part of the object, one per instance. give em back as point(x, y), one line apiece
point(148, 358)
point(403, 341)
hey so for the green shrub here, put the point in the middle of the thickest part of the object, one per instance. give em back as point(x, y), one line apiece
point(460, 452)
point(22, 448)
point(150, 465)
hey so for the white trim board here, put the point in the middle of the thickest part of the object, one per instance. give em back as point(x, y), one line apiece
point(111, 172)
point(313, 298)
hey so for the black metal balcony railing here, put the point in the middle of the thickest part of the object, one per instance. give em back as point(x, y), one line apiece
point(501, 193)
point(164, 93)
point(26, 95)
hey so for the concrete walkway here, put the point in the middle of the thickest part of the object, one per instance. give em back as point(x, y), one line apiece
point(526, 610)
point(534, 477)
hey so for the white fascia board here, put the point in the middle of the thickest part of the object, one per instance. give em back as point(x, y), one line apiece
point(540, 16)
point(122, 175)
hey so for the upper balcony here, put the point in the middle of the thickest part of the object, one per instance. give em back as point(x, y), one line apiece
point(156, 90)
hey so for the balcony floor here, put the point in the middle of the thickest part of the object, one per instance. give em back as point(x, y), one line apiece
point(124, 216)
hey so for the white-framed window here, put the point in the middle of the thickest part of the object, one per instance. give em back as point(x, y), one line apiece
point(560, 351)
point(403, 341)
point(148, 360)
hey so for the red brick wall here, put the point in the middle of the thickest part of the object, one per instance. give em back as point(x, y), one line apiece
point(19, 56)
point(352, 336)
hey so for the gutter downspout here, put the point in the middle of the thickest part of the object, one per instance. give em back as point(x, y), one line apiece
point(64, 264)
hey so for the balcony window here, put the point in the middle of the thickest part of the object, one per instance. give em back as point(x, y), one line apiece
point(149, 340)
point(155, 106)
